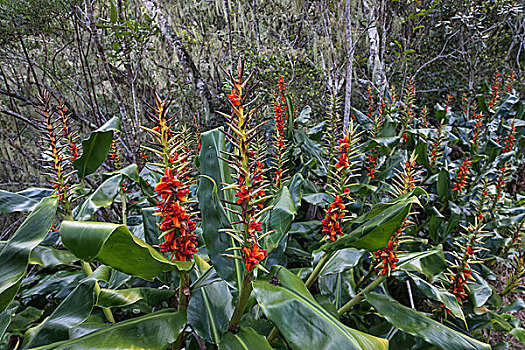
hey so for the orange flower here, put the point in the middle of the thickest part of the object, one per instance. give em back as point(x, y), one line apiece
point(388, 255)
point(243, 195)
point(253, 256)
point(234, 98)
point(461, 178)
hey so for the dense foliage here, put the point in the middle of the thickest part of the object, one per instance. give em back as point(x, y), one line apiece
point(255, 175)
point(274, 231)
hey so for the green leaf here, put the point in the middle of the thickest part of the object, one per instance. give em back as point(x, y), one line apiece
point(155, 331)
point(210, 307)
point(14, 258)
point(418, 325)
point(113, 245)
point(519, 333)
point(383, 221)
point(74, 310)
point(103, 196)
point(96, 148)
point(47, 256)
point(302, 321)
point(6, 316)
point(290, 110)
point(279, 219)
point(245, 339)
point(114, 14)
point(430, 262)
point(443, 184)
point(439, 294)
point(214, 172)
point(13, 202)
point(124, 297)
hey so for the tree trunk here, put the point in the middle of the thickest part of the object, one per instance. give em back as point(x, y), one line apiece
point(370, 10)
point(185, 60)
point(350, 64)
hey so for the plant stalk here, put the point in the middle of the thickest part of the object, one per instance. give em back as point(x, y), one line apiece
point(244, 296)
point(107, 311)
point(315, 273)
point(359, 297)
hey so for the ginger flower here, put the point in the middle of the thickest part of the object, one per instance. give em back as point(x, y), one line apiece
point(388, 255)
point(234, 99)
point(253, 256)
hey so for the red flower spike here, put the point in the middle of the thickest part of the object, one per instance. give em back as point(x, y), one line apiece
point(253, 256)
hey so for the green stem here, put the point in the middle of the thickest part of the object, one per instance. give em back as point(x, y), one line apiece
point(183, 284)
point(89, 271)
point(359, 297)
point(272, 334)
point(124, 210)
point(244, 296)
point(315, 273)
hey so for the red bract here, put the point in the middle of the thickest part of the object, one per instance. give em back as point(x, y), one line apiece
point(331, 224)
point(461, 178)
point(234, 99)
point(388, 255)
point(253, 256)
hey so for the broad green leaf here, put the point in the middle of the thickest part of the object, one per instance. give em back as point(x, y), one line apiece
point(6, 316)
point(47, 256)
point(439, 294)
point(13, 202)
point(480, 291)
point(14, 258)
point(519, 333)
point(374, 233)
point(290, 111)
point(210, 307)
point(279, 219)
point(245, 339)
point(342, 260)
point(96, 148)
point(122, 297)
point(113, 245)
point(214, 172)
point(311, 149)
point(443, 184)
point(103, 196)
point(155, 331)
point(25, 200)
point(412, 322)
point(151, 229)
point(74, 310)
point(430, 263)
point(302, 321)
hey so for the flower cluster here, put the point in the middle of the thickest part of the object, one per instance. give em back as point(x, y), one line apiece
point(340, 177)
point(177, 227)
point(477, 129)
point(68, 134)
point(461, 271)
point(57, 161)
point(461, 177)
point(279, 124)
point(388, 255)
point(510, 139)
point(495, 90)
point(253, 256)
point(250, 184)
point(332, 222)
point(459, 281)
point(279, 138)
point(500, 183)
